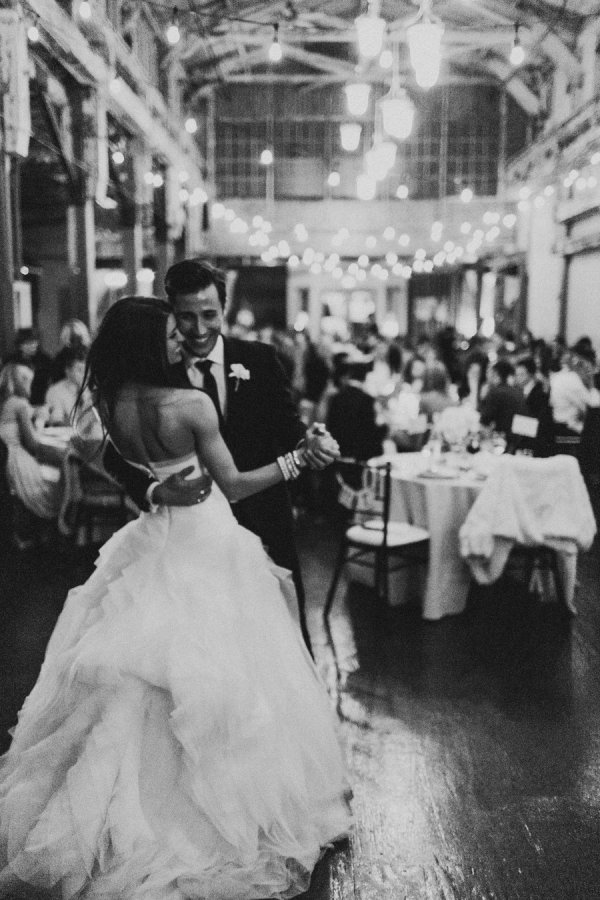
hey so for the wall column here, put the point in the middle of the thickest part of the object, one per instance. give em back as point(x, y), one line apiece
point(81, 236)
point(7, 315)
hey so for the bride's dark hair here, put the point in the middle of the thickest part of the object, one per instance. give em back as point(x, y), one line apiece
point(130, 346)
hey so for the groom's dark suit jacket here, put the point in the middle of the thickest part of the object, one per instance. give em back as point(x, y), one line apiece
point(261, 422)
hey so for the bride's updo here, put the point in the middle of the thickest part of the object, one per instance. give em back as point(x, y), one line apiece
point(130, 347)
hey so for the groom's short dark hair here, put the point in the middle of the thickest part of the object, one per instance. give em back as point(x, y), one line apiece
point(193, 275)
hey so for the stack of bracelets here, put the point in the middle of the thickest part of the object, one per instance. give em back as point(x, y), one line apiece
point(290, 465)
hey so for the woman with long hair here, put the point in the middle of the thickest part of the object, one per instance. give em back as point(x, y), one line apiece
point(33, 483)
point(179, 742)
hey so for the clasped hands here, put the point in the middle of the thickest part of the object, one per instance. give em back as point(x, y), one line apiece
point(318, 448)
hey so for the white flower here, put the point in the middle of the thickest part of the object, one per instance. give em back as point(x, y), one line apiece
point(239, 372)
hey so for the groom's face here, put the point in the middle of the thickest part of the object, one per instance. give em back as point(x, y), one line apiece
point(199, 319)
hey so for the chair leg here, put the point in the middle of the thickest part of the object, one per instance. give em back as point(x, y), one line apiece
point(339, 565)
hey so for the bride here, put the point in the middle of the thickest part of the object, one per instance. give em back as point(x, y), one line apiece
point(178, 744)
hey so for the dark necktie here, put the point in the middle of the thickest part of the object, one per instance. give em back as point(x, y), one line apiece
point(210, 382)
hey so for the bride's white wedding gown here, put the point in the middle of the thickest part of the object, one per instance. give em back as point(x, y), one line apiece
point(178, 743)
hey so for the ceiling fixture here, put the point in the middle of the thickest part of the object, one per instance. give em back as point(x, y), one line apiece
point(173, 33)
point(370, 29)
point(397, 109)
point(350, 135)
point(517, 53)
point(357, 97)
point(425, 45)
point(275, 51)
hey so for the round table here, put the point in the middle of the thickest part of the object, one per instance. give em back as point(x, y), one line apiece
point(437, 495)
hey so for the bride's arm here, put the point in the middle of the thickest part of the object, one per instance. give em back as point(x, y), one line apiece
point(201, 417)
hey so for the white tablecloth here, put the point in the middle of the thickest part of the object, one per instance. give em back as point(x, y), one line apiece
point(439, 504)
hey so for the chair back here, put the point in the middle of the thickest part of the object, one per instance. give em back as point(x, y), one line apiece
point(364, 492)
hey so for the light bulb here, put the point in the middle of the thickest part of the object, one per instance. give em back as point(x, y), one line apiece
point(266, 158)
point(424, 42)
point(517, 54)
point(366, 187)
point(173, 33)
point(350, 135)
point(275, 51)
point(357, 98)
point(85, 10)
point(118, 157)
point(334, 179)
point(191, 126)
point(386, 60)
point(33, 33)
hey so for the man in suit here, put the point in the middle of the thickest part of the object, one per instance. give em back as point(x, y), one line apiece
point(503, 400)
point(351, 418)
point(257, 415)
point(537, 401)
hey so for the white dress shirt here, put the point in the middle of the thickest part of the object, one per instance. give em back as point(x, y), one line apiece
point(217, 358)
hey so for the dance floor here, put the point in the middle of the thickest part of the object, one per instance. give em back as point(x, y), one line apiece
point(473, 743)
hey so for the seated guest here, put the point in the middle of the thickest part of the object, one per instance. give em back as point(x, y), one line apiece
point(435, 395)
point(537, 401)
point(571, 393)
point(413, 374)
point(352, 418)
point(33, 484)
point(62, 396)
point(29, 353)
point(74, 335)
point(472, 384)
point(503, 400)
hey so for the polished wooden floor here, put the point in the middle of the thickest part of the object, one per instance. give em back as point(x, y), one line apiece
point(473, 743)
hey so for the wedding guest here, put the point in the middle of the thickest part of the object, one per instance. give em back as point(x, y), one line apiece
point(74, 335)
point(472, 384)
point(436, 395)
point(503, 400)
point(62, 396)
point(28, 478)
point(571, 393)
point(29, 353)
point(352, 418)
point(538, 407)
point(414, 372)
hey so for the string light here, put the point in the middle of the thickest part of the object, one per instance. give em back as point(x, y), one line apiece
point(118, 157)
point(33, 33)
point(173, 33)
point(275, 51)
point(517, 53)
point(424, 43)
point(85, 10)
point(357, 97)
point(370, 30)
point(350, 135)
point(191, 125)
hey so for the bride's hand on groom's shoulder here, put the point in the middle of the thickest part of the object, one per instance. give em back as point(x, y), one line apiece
point(178, 490)
point(319, 448)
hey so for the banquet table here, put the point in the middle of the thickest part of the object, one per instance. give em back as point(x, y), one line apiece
point(437, 496)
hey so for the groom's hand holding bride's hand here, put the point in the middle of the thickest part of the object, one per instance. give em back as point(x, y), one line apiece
point(178, 490)
point(319, 448)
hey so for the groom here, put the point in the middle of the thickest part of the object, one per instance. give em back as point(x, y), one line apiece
point(256, 412)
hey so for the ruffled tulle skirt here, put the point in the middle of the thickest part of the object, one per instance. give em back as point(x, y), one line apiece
point(178, 742)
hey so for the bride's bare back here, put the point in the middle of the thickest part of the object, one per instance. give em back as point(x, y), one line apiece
point(154, 424)
point(151, 424)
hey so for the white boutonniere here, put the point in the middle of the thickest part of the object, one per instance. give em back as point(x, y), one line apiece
point(240, 373)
